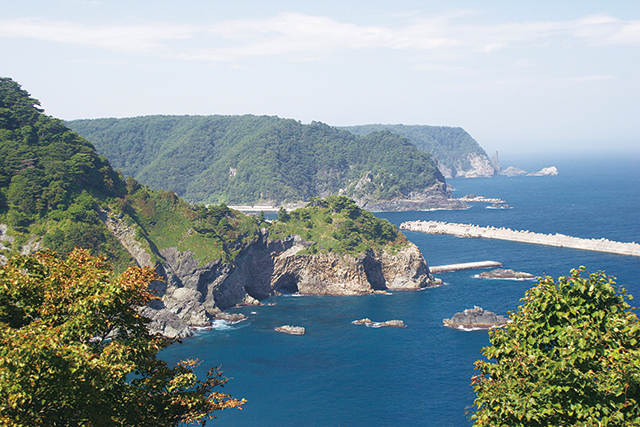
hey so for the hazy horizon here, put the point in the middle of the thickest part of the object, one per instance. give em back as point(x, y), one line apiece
point(520, 78)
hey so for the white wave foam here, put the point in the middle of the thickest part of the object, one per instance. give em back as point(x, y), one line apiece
point(220, 325)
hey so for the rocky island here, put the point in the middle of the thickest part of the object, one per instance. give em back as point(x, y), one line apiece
point(513, 171)
point(475, 318)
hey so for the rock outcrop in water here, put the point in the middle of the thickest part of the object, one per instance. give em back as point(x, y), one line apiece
point(506, 274)
point(291, 330)
point(475, 318)
point(388, 323)
point(513, 171)
point(550, 171)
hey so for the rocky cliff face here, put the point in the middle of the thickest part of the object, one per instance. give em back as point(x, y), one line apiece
point(479, 166)
point(193, 294)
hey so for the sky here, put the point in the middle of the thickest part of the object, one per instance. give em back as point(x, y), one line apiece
point(519, 76)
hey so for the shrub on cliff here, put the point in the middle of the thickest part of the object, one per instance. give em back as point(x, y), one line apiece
point(570, 357)
point(75, 351)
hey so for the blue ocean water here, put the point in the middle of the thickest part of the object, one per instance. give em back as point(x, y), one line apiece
point(340, 374)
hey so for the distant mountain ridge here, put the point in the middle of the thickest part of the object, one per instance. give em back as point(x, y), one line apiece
point(262, 159)
point(455, 151)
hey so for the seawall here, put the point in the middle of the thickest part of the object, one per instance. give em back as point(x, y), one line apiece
point(525, 236)
point(463, 266)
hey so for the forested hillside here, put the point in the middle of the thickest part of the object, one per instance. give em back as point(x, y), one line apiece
point(251, 159)
point(57, 192)
point(451, 147)
point(50, 181)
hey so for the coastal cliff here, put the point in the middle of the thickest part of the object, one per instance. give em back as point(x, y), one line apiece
point(330, 247)
point(195, 293)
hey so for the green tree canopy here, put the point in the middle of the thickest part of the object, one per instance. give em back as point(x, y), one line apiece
point(570, 357)
point(74, 351)
point(259, 159)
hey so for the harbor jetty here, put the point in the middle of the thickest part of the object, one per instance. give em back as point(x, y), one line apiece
point(524, 236)
point(463, 266)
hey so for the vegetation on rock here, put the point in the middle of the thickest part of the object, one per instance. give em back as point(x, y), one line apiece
point(75, 351)
point(250, 159)
point(570, 357)
point(337, 224)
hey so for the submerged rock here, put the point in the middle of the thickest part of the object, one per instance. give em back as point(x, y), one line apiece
point(476, 318)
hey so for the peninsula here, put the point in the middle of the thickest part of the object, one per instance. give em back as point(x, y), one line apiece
point(524, 236)
point(57, 193)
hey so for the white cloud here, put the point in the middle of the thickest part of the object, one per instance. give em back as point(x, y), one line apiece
point(119, 38)
point(297, 36)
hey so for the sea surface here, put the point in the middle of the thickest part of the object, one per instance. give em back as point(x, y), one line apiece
point(341, 374)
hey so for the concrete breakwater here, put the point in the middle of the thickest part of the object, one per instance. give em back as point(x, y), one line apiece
point(525, 236)
point(463, 266)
